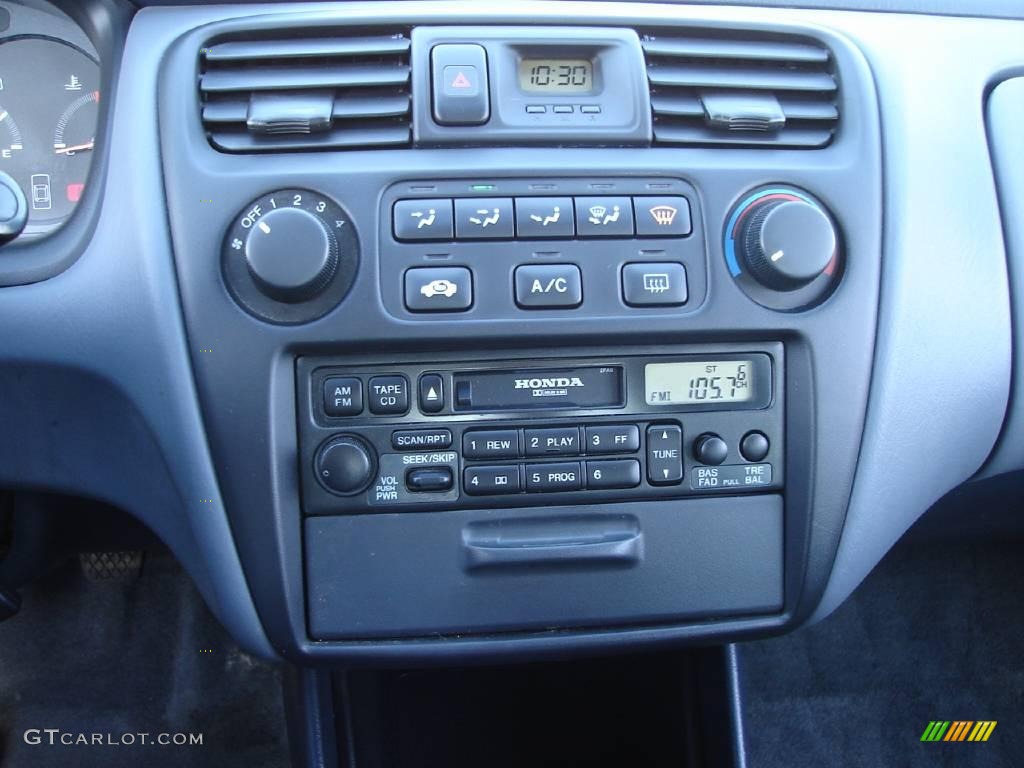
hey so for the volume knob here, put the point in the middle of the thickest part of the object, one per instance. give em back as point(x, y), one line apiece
point(291, 255)
point(786, 243)
point(345, 465)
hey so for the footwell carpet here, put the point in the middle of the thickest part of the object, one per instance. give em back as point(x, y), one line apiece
point(112, 661)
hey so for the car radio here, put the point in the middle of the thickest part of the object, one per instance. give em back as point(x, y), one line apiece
point(412, 437)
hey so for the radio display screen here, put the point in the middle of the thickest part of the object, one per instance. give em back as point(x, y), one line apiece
point(699, 382)
point(556, 75)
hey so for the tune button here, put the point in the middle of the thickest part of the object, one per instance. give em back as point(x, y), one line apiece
point(664, 454)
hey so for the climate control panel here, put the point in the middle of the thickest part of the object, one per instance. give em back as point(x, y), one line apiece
point(415, 437)
point(555, 247)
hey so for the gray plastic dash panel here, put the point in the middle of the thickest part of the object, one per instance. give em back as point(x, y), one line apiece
point(561, 567)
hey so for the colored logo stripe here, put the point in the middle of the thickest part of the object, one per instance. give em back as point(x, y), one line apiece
point(958, 730)
point(935, 730)
point(982, 730)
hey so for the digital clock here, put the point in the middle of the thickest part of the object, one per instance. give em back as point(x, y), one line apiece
point(556, 75)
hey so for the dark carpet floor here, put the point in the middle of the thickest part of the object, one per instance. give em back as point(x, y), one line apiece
point(131, 658)
point(936, 632)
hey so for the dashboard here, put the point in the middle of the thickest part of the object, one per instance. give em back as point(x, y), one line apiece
point(428, 330)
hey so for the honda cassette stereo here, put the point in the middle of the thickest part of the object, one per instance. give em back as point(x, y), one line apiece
point(378, 437)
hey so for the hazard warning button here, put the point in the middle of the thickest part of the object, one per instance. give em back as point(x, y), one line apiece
point(460, 84)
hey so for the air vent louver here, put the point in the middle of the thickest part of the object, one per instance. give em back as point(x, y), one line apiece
point(278, 95)
point(770, 91)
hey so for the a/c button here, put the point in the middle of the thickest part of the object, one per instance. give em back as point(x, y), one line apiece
point(549, 286)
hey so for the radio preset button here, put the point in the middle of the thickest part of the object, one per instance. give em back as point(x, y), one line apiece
point(614, 438)
point(487, 481)
point(664, 454)
point(343, 396)
point(549, 286)
point(389, 395)
point(613, 473)
point(542, 478)
point(491, 444)
point(604, 216)
point(431, 393)
point(557, 441)
point(420, 439)
point(429, 479)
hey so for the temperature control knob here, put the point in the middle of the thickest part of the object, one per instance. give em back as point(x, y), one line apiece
point(291, 255)
point(786, 241)
point(345, 465)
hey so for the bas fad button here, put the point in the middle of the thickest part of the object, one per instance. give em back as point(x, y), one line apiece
point(438, 289)
point(549, 286)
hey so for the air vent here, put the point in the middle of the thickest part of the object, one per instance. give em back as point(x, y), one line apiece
point(278, 95)
point(752, 92)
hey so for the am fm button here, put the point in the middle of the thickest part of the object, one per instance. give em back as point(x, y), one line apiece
point(343, 396)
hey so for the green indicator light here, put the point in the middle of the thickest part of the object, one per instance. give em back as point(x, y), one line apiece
point(482, 187)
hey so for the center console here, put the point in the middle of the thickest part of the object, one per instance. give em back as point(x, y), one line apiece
point(525, 339)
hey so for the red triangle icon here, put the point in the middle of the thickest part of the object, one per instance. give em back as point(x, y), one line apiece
point(461, 81)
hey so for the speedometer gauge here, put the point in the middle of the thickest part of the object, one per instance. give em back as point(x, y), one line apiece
point(49, 109)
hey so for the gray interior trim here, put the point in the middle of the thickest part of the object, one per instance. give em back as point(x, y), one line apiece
point(115, 315)
point(1005, 118)
point(945, 300)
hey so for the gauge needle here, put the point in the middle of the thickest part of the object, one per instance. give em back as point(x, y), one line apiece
point(75, 148)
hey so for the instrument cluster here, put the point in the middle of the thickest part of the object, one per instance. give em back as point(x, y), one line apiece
point(49, 111)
